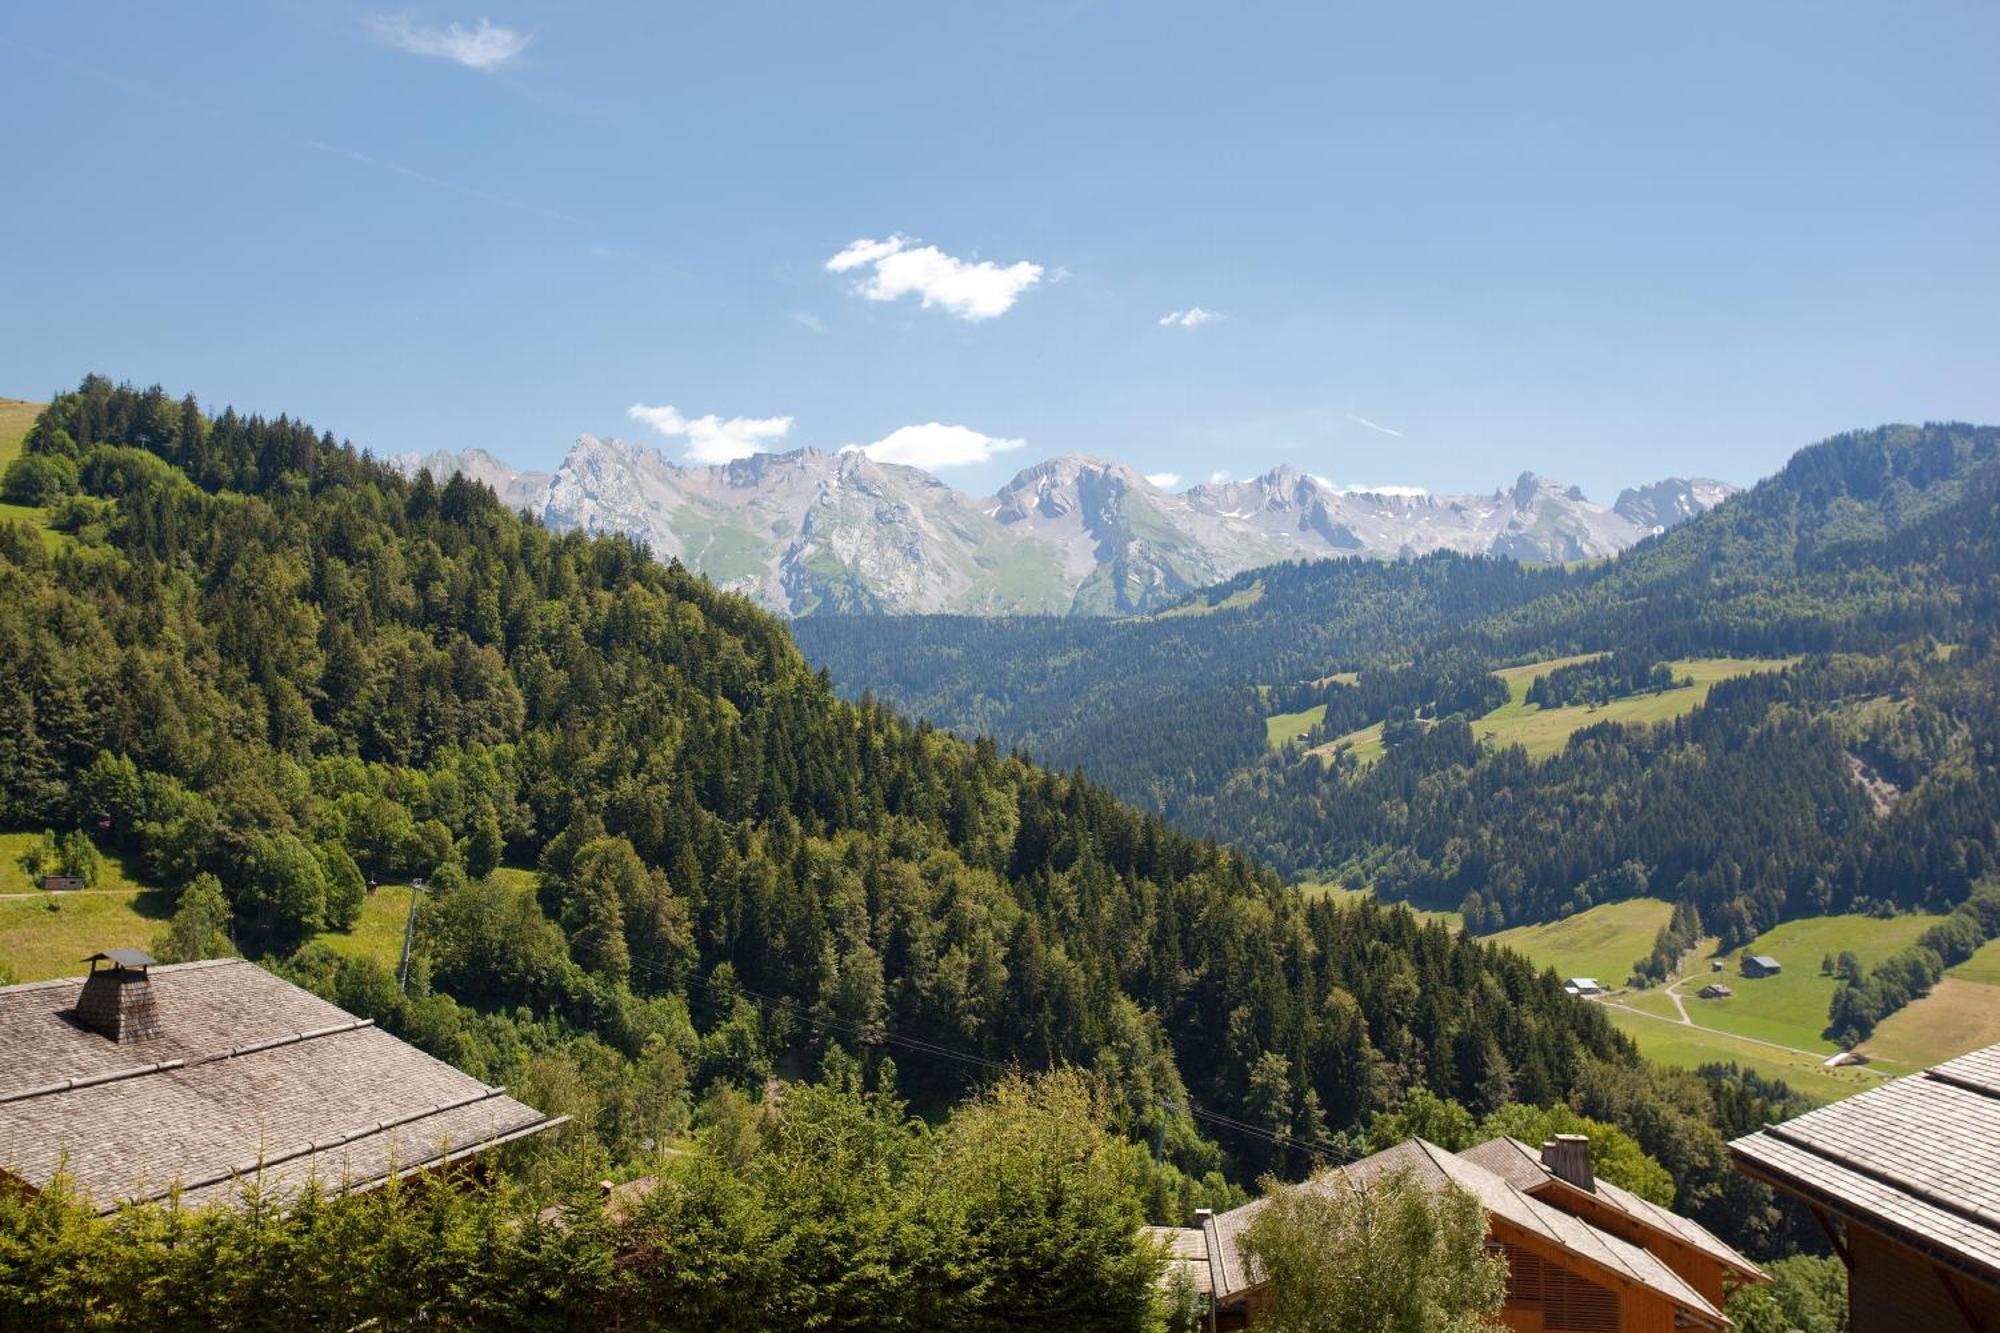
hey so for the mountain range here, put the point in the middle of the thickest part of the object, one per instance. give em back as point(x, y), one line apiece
point(809, 532)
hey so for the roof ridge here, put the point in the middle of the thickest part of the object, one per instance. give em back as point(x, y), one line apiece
point(50, 983)
point(1937, 1073)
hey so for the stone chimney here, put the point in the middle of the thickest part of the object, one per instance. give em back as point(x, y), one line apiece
point(1568, 1157)
point(117, 1000)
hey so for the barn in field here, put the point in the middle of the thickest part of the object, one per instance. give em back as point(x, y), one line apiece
point(138, 1080)
point(1583, 1255)
point(1762, 965)
point(1905, 1180)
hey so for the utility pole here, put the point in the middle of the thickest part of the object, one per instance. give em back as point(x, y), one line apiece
point(409, 936)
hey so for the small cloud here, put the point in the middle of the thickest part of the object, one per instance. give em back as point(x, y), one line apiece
point(935, 445)
point(713, 439)
point(1217, 477)
point(1166, 481)
point(903, 268)
point(1383, 430)
point(1191, 318)
point(484, 46)
point(805, 319)
point(1394, 492)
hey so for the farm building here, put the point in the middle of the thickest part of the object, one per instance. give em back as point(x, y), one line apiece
point(1582, 1254)
point(1583, 986)
point(1905, 1180)
point(1761, 965)
point(140, 1079)
point(1715, 990)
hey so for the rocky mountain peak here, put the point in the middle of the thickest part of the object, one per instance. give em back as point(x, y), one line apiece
point(808, 531)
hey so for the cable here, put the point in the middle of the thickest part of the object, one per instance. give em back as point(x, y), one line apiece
point(674, 973)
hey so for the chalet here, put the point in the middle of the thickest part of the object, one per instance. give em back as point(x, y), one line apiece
point(1716, 990)
point(1761, 965)
point(1582, 1254)
point(1584, 986)
point(1905, 1180)
point(139, 1080)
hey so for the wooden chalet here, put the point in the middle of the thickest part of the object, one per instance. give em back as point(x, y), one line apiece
point(139, 1081)
point(1583, 1256)
point(1905, 1179)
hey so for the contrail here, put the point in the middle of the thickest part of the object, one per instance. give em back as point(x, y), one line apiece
point(1364, 421)
point(135, 88)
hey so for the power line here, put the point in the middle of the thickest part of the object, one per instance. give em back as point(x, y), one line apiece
point(674, 973)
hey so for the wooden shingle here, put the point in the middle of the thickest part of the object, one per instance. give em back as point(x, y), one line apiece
point(248, 1078)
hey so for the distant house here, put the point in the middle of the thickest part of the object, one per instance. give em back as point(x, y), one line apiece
point(138, 1080)
point(62, 883)
point(1584, 986)
point(1905, 1181)
point(1582, 1254)
point(1761, 965)
point(1715, 966)
point(1715, 990)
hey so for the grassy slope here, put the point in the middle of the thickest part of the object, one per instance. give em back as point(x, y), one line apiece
point(1603, 942)
point(15, 418)
point(1671, 1043)
point(38, 943)
point(385, 912)
point(1282, 727)
point(1961, 1014)
point(1344, 894)
point(1791, 1008)
point(1544, 731)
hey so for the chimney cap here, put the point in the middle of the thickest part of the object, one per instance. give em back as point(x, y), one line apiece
point(121, 958)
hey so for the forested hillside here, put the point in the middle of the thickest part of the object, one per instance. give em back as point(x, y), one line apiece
point(1874, 558)
point(257, 655)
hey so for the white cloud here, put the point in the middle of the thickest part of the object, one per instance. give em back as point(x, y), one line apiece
point(713, 439)
point(1166, 481)
point(1217, 477)
point(806, 319)
point(935, 445)
point(1398, 492)
point(1383, 430)
point(900, 267)
point(484, 46)
point(1191, 318)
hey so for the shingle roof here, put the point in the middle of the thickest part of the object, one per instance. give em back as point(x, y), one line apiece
point(1187, 1250)
point(1433, 1166)
point(1522, 1167)
point(250, 1076)
point(1918, 1157)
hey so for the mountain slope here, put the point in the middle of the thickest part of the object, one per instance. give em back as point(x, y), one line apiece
point(810, 533)
point(1864, 554)
point(305, 665)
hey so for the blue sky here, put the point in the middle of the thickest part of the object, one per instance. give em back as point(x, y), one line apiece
point(1606, 242)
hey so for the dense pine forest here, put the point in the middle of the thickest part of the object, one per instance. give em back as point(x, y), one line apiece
point(1871, 564)
point(260, 656)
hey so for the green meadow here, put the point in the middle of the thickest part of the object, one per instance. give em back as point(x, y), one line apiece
point(1603, 942)
point(1343, 893)
point(15, 418)
point(1791, 1008)
point(45, 935)
point(1283, 727)
point(1544, 731)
